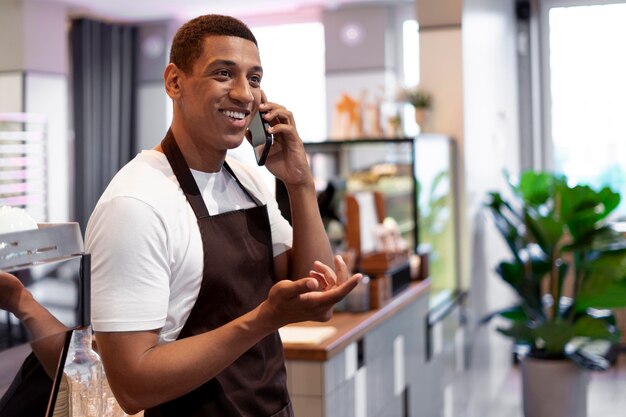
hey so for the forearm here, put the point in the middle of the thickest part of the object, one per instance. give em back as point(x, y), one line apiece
point(310, 241)
point(142, 377)
point(44, 329)
point(143, 374)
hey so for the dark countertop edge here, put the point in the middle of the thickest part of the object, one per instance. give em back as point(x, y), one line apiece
point(363, 323)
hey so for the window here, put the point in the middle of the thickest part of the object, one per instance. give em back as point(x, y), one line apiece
point(293, 63)
point(410, 52)
point(410, 71)
point(585, 125)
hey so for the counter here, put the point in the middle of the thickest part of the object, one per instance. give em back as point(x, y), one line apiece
point(351, 326)
point(373, 364)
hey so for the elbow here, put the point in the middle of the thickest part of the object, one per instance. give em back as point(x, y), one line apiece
point(129, 406)
point(131, 411)
point(128, 401)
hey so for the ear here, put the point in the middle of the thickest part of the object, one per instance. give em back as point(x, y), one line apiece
point(172, 79)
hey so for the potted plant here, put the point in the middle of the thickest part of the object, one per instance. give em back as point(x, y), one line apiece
point(568, 267)
point(420, 99)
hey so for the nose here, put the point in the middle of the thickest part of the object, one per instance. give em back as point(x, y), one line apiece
point(241, 90)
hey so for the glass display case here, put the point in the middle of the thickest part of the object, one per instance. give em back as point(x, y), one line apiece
point(417, 181)
point(385, 166)
point(438, 195)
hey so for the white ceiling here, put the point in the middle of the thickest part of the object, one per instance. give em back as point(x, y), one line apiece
point(141, 10)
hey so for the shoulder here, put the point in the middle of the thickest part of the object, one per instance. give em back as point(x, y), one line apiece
point(148, 179)
point(143, 196)
point(139, 176)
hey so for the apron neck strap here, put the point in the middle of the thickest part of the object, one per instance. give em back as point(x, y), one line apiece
point(185, 178)
point(245, 190)
point(183, 175)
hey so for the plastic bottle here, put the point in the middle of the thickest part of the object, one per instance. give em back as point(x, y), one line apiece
point(90, 395)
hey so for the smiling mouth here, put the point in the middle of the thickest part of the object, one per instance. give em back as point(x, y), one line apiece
point(234, 114)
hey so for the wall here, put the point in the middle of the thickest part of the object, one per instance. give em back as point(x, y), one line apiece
point(33, 77)
point(468, 61)
point(491, 146)
point(441, 74)
point(12, 52)
point(12, 97)
point(154, 107)
point(366, 67)
point(45, 49)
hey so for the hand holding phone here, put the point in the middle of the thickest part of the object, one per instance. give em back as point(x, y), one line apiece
point(261, 139)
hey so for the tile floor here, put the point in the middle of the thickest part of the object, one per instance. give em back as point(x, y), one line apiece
point(490, 385)
point(607, 394)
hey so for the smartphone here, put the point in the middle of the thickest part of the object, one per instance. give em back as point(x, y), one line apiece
point(261, 139)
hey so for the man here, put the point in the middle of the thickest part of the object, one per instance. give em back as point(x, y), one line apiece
point(194, 270)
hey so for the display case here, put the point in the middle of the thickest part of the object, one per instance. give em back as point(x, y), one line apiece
point(51, 264)
point(438, 207)
point(417, 180)
point(385, 166)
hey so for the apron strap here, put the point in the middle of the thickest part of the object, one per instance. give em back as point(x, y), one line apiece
point(245, 190)
point(188, 183)
point(183, 175)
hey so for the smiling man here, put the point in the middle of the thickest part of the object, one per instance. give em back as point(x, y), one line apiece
point(194, 269)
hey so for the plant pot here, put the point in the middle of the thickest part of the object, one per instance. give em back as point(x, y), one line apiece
point(421, 116)
point(554, 388)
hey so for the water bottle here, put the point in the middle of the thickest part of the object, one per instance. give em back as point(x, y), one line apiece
point(83, 369)
point(90, 395)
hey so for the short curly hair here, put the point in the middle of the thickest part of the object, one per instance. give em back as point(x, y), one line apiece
point(188, 41)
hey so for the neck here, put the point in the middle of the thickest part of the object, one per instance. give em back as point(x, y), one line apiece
point(198, 157)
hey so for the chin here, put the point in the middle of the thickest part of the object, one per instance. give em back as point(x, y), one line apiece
point(233, 143)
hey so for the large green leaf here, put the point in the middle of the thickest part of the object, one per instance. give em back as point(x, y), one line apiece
point(610, 264)
point(512, 273)
point(601, 292)
point(596, 343)
point(546, 230)
point(507, 221)
point(582, 208)
point(514, 313)
point(528, 286)
point(595, 328)
point(603, 238)
point(555, 334)
point(536, 188)
point(520, 332)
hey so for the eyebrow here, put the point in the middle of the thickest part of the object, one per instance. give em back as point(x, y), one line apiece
point(229, 63)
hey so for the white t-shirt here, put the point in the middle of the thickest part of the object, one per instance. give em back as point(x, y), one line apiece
point(145, 244)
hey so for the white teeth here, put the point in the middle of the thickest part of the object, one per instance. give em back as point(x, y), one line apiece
point(234, 114)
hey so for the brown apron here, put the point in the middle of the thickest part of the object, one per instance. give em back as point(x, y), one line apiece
point(237, 276)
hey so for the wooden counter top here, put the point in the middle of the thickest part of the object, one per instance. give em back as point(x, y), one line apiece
point(351, 326)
